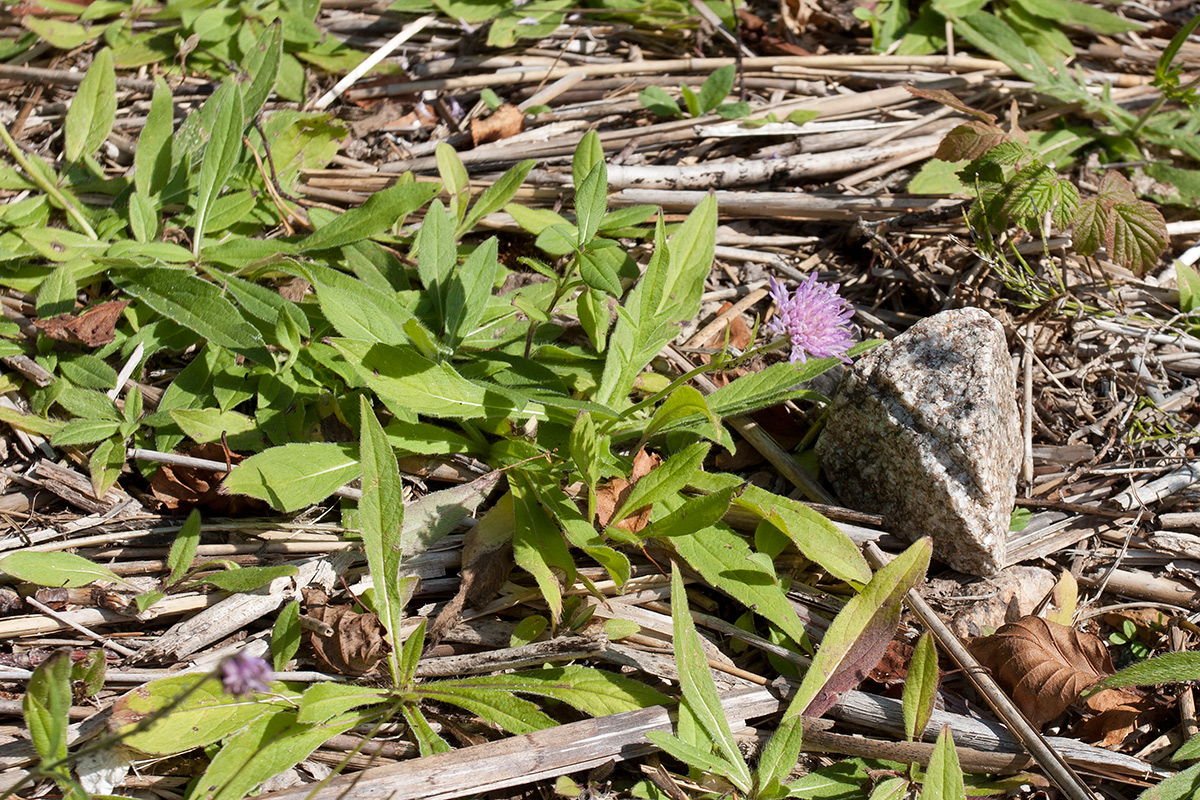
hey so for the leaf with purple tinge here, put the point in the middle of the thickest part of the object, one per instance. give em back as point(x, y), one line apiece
point(860, 633)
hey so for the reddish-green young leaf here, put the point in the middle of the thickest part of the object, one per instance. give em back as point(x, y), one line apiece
point(860, 633)
point(1088, 233)
point(970, 140)
point(920, 690)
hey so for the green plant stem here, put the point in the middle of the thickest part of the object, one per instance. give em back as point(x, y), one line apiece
point(46, 186)
point(1157, 104)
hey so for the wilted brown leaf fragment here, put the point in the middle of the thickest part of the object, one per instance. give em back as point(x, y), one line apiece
point(1044, 666)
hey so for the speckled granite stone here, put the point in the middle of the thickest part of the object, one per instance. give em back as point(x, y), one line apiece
point(925, 431)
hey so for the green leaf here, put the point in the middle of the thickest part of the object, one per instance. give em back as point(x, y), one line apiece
point(56, 295)
point(593, 691)
point(658, 101)
point(1188, 751)
point(201, 713)
point(222, 153)
point(322, 702)
point(538, 545)
point(695, 514)
point(1072, 12)
point(84, 431)
point(496, 196)
point(268, 746)
point(690, 100)
point(152, 156)
point(970, 140)
point(410, 654)
point(589, 154)
point(943, 776)
point(1180, 786)
point(45, 705)
point(380, 212)
point(245, 579)
point(664, 481)
point(105, 464)
point(428, 741)
point(890, 789)
point(285, 636)
point(454, 178)
point(1188, 280)
point(381, 518)
point(860, 633)
point(410, 383)
point(585, 447)
point(591, 204)
point(210, 424)
point(696, 681)
point(513, 714)
point(693, 756)
point(686, 403)
point(295, 475)
point(725, 560)
point(1166, 668)
point(920, 688)
point(780, 755)
point(195, 304)
point(436, 256)
point(716, 88)
point(1138, 235)
point(597, 272)
point(94, 109)
point(469, 291)
point(55, 569)
point(262, 65)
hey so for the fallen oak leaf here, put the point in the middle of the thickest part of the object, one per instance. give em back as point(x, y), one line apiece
point(94, 328)
point(1043, 666)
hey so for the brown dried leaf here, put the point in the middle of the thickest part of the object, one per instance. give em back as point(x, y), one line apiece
point(1043, 665)
point(487, 559)
point(1120, 714)
point(948, 98)
point(737, 330)
point(183, 488)
point(612, 495)
point(93, 328)
point(357, 644)
point(504, 122)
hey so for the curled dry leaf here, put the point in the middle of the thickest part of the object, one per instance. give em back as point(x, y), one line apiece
point(1043, 665)
point(504, 122)
point(357, 644)
point(1119, 714)
point(93, 328)
point(183, 488)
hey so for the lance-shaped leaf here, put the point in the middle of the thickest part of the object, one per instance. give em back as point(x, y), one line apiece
point(381, 513)
point(90, 117)
point(920, 690)
point(45, 705)
point(55, 569)
point(860, 633)
point(223, 151)
point(944, 776)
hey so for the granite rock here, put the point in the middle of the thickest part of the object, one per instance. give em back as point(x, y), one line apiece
point(925, 431)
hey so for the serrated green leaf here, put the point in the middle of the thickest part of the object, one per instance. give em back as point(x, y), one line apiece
point(56, 295)
point(1139, 235)
point(943, 776)
point(1030, 193)
point(970, 141)
point(92, 113)
point(295, 475)
point(55, 569)
point(381, 211)
point(860, 633)
point(195, 304)
point(381, 520)
point(221, 154)
point(920, 688)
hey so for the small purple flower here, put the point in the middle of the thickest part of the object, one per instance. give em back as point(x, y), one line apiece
point(242, 675)
point(815, 318)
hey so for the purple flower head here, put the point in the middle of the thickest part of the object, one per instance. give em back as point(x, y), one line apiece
point(815, 319)
point(242, 675)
